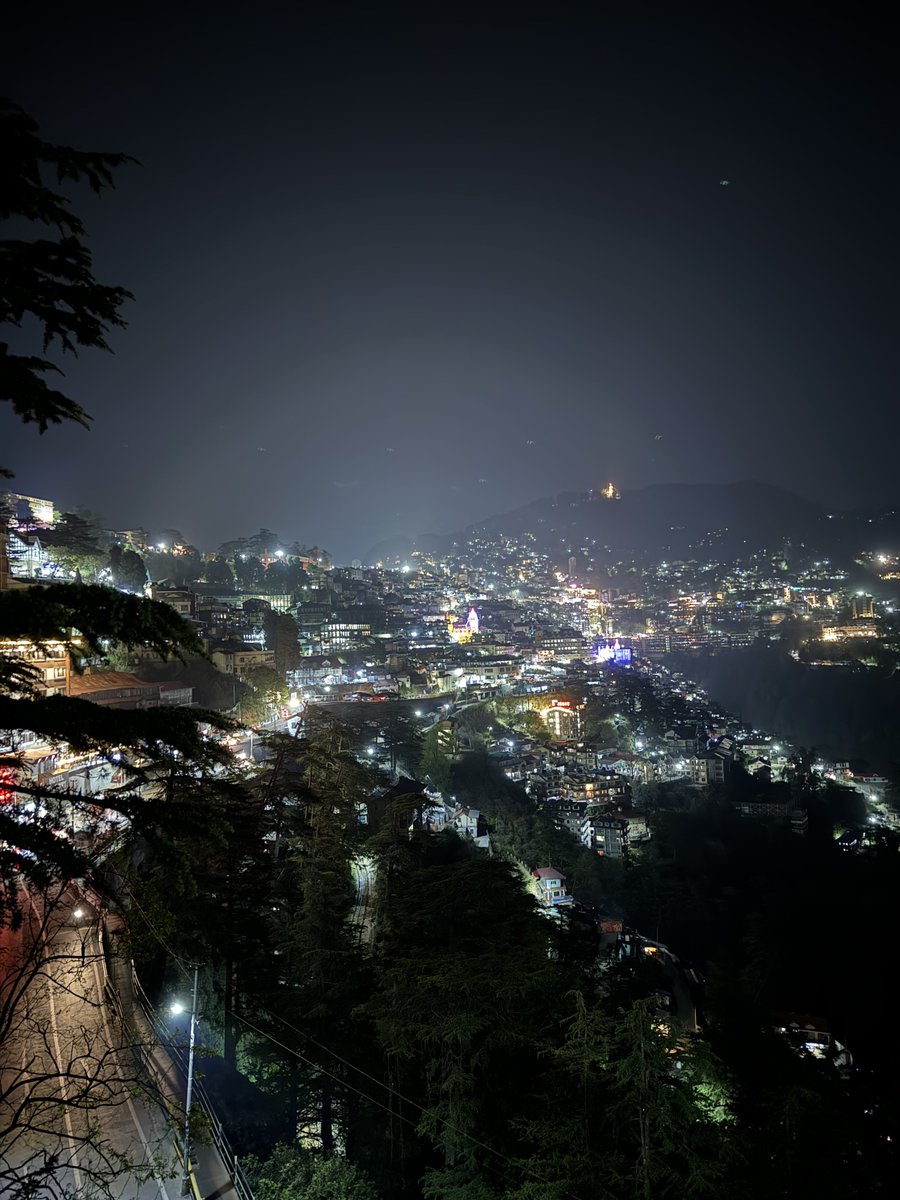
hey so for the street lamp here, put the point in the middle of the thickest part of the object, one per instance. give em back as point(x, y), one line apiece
point(175, 1010)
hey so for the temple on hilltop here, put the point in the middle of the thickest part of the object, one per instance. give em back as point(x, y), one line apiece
point(610, 492)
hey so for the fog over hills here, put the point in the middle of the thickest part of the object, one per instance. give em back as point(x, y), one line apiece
point(682, 520)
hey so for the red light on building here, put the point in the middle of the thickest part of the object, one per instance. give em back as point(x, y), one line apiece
point(7, 785)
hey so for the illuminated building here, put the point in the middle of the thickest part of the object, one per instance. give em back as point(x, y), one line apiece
point(238, 658)
point(611, 492)
point(137, 539)
point(463, 631)
point(343, 632)
point(552, 886)
point(50, 662)
point(562, 720)
point(28, 559)
point(612, 653)
point(838, 633)
point(29, 510)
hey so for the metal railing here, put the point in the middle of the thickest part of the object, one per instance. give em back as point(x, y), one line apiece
point(178, 1054)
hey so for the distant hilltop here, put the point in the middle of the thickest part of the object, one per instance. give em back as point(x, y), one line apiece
point(683, 520)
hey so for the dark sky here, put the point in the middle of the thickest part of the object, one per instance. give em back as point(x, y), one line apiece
point(454, 230)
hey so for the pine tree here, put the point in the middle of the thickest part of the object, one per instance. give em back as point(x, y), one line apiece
point(49, 280)
point(669, 1126)
point(305, 979)
point(464, 979)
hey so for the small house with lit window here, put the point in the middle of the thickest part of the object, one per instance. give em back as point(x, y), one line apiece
point(552, 886)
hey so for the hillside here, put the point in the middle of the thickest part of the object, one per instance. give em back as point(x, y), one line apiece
point(677, 519)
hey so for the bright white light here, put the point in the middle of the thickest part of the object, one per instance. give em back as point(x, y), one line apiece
point(279, 554)
point(78, 914)
point(370, 750)
point(176, 1009)
point(419, 712)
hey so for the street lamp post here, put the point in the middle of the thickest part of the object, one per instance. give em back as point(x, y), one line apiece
point(186, 1170)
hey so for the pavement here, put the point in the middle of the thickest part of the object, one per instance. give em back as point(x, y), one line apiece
point(87, 1095)
point(75, 1107)
point(210, 1178)
point(362, 915)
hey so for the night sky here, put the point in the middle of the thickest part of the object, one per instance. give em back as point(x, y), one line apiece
point(378, 252)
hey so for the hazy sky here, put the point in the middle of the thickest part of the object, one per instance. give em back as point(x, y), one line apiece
point(380, 250)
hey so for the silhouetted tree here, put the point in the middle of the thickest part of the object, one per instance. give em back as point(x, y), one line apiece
point(76, 544)
point(127, 567)
point(217, 570)
point(49, 280)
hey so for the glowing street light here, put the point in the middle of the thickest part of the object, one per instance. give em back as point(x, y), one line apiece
point(176, 1009)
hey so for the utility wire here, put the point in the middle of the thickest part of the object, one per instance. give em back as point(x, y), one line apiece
point(342, 1082)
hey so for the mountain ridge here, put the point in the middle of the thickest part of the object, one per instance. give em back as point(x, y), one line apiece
point(675, 518)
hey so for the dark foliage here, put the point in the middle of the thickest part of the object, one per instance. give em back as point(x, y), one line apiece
point(49, 281)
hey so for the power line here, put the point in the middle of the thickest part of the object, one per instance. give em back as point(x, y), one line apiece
point(317, 1066)
point(343, 1082)
point(155, 932)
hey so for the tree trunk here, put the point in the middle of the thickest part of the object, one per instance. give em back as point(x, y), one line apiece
point(326, 1123)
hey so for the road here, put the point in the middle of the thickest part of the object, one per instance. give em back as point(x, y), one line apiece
point(362, 916)
point(75, 1106)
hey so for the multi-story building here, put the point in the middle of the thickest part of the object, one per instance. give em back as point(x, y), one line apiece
point(605, 835)
point(563, 720)
point(563, 645)
point(236, 658)
point(567, 814)
point(28, 510)
point(708, 768)
point(343, 633)
point(181, 599)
